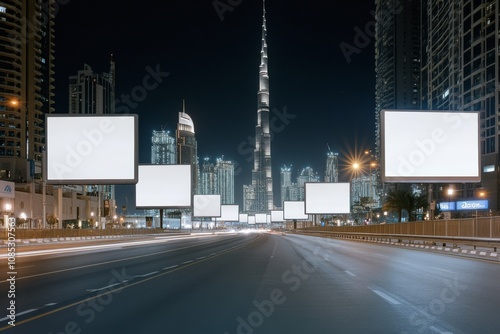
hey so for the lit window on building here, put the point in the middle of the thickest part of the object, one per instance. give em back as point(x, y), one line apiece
point(489, 169)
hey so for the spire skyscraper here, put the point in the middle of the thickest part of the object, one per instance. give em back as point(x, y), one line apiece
point(262, 181)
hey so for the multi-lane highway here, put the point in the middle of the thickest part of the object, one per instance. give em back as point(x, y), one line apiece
point(248, 283)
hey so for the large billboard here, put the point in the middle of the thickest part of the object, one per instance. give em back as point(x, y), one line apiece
point(260, 218)
point(229, 213)
point(163, 186)
point(327, 198)
point(430, 146)
point(206, 206)
point(277, 216)
point(91, 149)
point(294, 210)
point(243, 218)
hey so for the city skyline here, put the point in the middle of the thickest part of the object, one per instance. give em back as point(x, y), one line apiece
point(321, 94)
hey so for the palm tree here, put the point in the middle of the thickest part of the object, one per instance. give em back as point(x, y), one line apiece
point(51, 220)
point(400, 200)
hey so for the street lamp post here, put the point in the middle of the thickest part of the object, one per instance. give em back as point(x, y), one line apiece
point(481, 194)
point(450, 193)
point(7, 208)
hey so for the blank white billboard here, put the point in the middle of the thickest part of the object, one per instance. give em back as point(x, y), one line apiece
point(163, 186)
point(91, 149)
point(294, 210)
point(251, 220)
point(206, 206)
point(243, 218)
point(260, 218)
point(327, 198)
point(277, 216)
point(430, 146)
point(229, 213)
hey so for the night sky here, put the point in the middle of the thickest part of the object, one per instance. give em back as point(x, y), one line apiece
point(318, 95)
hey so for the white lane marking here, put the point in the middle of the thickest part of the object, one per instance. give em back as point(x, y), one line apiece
point(440, 331)
point(349, 273)
point(444, 270)
point(186, 262)
point(98, 247)
point(106, 287)
point(148, 274)
point(167, 268)
point(385, 296)
point(20, 313)
point(200, 258)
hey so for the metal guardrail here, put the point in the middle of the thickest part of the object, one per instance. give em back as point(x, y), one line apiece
point(493, 243)
point(481, 227)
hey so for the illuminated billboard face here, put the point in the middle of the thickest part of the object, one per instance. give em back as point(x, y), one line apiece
point(260, 218)
point(294, 210)
point(277, 216)
point(327, 198)
point(430, 146)
point(206, 206)
point(243, 218)
point(163, 186)
point(229, 212)
point(97, 149)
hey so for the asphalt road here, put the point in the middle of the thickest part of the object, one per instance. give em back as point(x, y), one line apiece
point(248, 283)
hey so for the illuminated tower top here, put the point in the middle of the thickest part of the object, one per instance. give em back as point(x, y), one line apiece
point(262, 182)
point(263, 95)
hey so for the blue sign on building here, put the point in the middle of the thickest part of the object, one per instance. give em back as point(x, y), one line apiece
point(472, 205)
point(446, 206)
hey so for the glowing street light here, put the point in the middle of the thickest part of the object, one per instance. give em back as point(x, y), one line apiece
point(6, 212)
point(450, 193)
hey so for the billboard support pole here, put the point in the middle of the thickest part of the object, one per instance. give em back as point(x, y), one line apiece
point(161, 219)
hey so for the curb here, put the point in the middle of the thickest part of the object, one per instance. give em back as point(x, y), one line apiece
point(449, 250)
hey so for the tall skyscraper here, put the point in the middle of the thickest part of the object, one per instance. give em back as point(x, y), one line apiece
point(261, 197)
point(187, 147)
point(285, 182)
point(208, 178)
point(26, 85)
point(92, 93)
point(225, 180)
point(462, 59)
point(458, 57)
point(332, 167)
point(398, 47)
point(163, 149)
